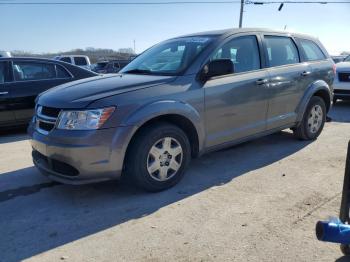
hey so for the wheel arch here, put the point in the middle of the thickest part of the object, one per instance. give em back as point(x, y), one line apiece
point(318, 88)
point(179, 114)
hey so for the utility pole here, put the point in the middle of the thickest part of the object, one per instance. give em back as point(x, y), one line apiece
point(241, 14)
point(134, 46)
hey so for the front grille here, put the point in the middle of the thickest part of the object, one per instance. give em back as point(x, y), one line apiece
point(46, 126)
point(344, 77)
point(46, 118)
point(50, 111)
point(54, 165)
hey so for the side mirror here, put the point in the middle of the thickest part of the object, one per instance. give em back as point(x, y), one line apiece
point(218, 67)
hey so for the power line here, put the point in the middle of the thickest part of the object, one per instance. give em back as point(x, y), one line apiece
point(296, 2)
point(11, 2)
point(121, 3)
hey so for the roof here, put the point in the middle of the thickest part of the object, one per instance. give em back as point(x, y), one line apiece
point(28, 59)
point(245, 30)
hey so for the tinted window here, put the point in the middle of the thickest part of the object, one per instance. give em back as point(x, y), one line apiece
point(2, 72)
point(80, 61)
point(25, 71)
point(347, 59)
point(281, 51)
point(61, 72)
point(66, 59)
point(311, 50)
point(243, 52)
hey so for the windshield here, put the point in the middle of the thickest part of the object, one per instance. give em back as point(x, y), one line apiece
point(347, 59)
point(168, 58)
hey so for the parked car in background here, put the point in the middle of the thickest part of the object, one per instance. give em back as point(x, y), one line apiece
point(180, 99)
point(22, 79)
point(99, 67)
point(339, 58)
point(78, 60)
point(342, 80)
point(115, 66)
point(5, 54)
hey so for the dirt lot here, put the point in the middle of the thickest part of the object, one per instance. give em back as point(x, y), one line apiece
point(255, 202)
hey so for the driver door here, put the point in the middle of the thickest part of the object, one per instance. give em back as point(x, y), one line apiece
point(7, 115)
point(236, 104)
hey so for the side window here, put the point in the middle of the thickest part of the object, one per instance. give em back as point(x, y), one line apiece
point(66, 59)
point(281, 51)
point(61, 72)
point(2, 72)
point(243, 52)
point(311, 51)
point(26, 71)
point(80, 61)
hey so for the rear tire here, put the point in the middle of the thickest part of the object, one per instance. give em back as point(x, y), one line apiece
point(158, 157)
point(313, 120)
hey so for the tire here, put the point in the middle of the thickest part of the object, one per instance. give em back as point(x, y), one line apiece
point(313, 120)
point(160, 149)
point(345, 249)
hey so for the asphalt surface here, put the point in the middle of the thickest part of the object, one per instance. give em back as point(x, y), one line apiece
point(258, 201)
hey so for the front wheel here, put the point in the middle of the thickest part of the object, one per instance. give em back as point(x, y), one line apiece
point(158, 157)
point(313, 120)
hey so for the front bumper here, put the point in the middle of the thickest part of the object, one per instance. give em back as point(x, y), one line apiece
point(80, 157)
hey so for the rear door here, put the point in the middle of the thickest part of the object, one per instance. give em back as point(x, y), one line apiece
point(6, 113)
point(30, 79)
point(288, 80)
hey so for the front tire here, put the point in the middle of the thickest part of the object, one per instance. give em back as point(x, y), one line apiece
point(313, 120)
point(158, 157)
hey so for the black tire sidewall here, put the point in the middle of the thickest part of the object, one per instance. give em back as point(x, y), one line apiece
point(140, 151)
point(314, 101)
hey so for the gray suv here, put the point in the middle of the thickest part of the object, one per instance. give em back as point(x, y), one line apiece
point(180, 99)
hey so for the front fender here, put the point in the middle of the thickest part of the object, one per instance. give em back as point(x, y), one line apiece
point(315, 87)
point(168, 107)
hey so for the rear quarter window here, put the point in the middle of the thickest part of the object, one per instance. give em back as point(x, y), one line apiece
point(80, 61)
point(311, 50)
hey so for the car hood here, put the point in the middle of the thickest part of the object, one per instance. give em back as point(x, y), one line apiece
point(81, 93)
point(343, 66)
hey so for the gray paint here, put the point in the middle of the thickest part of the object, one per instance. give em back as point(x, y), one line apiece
point(224, 110)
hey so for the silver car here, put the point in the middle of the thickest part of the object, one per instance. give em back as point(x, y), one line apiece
point(181, 99)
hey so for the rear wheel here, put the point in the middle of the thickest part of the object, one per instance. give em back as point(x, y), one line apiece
point(158, 157)
point(313, 120)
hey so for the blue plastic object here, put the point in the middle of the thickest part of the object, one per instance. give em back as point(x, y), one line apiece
point(333, 231)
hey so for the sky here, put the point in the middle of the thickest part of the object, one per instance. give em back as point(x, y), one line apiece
point(43, 29)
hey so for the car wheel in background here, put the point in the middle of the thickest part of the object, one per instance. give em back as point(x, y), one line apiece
point(158, 157)
point(313, 120)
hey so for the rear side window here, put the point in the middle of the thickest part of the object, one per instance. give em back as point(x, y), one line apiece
point(243, 52)
point(2, 72)
point(281, 51)
point(311, 51)
point(61, 72)
point(80, 61)
point(66, 59)
point(26, 71)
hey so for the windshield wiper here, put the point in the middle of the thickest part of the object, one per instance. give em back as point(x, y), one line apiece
point(138, 71)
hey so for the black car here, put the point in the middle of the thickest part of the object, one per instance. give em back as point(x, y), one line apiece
point(22, 79)
point(115, 66)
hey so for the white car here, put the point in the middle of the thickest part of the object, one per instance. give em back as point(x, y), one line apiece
point(78, 60)
point(341, 83)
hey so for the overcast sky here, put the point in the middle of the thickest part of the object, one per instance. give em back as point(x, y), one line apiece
point(61, 28)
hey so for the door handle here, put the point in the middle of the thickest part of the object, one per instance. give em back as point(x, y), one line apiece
point(305, 73)
point(261, 82)
point(3, 93)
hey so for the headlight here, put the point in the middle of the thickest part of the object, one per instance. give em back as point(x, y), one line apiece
point(84, 120)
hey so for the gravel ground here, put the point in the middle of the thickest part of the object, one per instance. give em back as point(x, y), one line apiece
point(258, 201)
